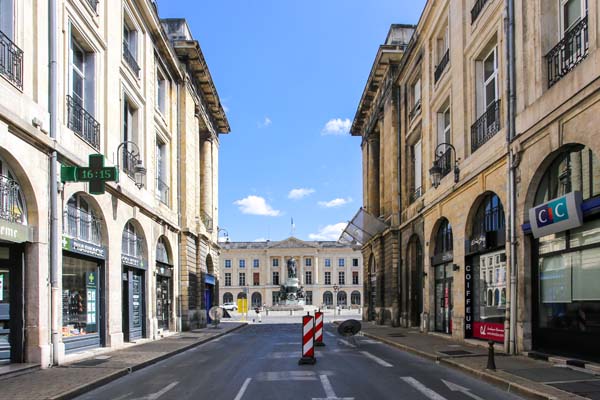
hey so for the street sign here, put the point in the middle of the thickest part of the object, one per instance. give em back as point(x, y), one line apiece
point(96, 174)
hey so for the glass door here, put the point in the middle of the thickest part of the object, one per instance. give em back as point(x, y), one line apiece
point(4, 315)
point(162, 301)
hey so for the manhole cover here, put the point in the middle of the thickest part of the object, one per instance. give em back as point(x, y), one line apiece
point(456, 352)
point(90, 363)
point(395, 335)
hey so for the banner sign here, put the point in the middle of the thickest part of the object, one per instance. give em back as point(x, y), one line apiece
point(13, 232)
point(209, 279)
point(556, 215)
point(86, 249)
point(488, 331)
point(468, 301)
point(132, 261)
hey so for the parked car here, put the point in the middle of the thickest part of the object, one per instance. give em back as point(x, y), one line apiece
point(229, 306)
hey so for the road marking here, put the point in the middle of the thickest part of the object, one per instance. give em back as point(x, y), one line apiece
point(346, 343)
point(457, 388)
point(329, 334)
point(377, 359)
point(370, 341)
point(430, 394)
point(329, 391)
point(154, 396)
point(243, 389)
point(273, 376)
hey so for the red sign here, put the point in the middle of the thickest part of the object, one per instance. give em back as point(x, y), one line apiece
point(488, 331)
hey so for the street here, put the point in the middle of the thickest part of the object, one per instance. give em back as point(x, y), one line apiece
point(261, 362)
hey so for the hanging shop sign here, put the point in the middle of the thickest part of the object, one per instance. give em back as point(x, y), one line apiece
point(468, 301)
point(96, 174)
point(556, 215)
point(164, 269)
point(209, 279)
point(83, 248)
point(132, 261)
point(13, 232)
point(488, 331)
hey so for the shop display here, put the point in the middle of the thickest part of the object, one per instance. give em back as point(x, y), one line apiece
point(80, 292)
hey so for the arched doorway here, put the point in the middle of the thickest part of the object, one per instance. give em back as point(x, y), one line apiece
point(485, 270)
point(372, 288)
point(256, 300)
point(227, 298)
point(328, 299)
point(355, 298)
point(210, 282)
point(164, 284)
point(442, 266)
point(133, 256)
point(342, 298)
point(415, 259)
point(565, 271)
point(241, 296)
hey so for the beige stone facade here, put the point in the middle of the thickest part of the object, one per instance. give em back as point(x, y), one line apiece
point(330, 273)
point(443, 260)
point(132, 258)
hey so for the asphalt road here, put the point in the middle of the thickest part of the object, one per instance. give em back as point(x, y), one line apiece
point(260, 362)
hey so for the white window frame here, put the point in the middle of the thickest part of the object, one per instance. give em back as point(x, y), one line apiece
point(444, 132)
point(561, 13)
point(308, 277)
point(162, 89)
point(418, 164)
point(241, 279)
point(227, 278)
point(87, 75)
point(493, 77)
point(130, 36)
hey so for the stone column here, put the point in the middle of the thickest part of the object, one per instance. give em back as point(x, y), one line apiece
point(373, 175)
point(206, 174)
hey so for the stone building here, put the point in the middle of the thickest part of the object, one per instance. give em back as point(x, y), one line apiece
point(116, 89)
point(330, 273)
point(436, 121)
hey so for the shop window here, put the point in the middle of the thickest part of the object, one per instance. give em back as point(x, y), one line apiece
point(79, 297)
point(162, 254)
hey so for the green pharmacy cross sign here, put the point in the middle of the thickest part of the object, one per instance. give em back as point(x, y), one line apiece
point(96, 174)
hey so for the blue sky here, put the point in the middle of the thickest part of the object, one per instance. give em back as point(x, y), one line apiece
point(290, 75)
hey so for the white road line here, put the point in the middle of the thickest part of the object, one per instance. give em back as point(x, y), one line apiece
point(327, 386)
point(154, 396)
point(377, 359)
point(346, 343)
point(243, 389)
point(430, 394)
point(329, 334)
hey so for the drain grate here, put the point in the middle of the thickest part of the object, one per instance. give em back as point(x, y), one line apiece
point(396, 335)
point(456, 352)
point(90, 363)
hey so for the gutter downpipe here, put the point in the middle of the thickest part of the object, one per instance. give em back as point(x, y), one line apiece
point(179, 310)
point(54, 240)
point(511, 347)
point(403, 303)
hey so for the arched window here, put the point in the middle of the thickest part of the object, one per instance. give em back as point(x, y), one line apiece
point(81, 222)
point(131, 243)
point(242, 296)
point(227, 298)
point(328, 298)
point(256, 299)
point(12, 202)
point(489, 217)
point(355, 298)
point(342, 298)
point(443, 238)
point(162, 254)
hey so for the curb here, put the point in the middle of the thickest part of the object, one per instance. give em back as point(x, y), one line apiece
point(70, 394)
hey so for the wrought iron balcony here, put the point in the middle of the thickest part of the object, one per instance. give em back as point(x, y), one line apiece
point(82, 225)
point(569, 52)
point(416, 110)
point(130, 160)
point(130, 59)
point(476, 10)
point(444, 161)
point(83, 123)
point(11, 207)
point(486, 126)
point(11, 61)
point(439, 69)
point(415, 194)
point(162, 191)
point(93, 4)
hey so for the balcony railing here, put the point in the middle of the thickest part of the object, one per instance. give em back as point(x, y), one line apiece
point(11, 206)
point(476, 10)
point(444, 161)
point(93, 4)
point(486, 126)
point(162, 191)
point(130, 59)
point(130, 160)
point(416, 110)
point(82, 225)
point(439, 69)
point(569, 52)
point(415, 194)
point(11, 61)
point(83, 123)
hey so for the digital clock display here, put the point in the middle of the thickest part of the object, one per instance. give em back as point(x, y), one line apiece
point(102, 174)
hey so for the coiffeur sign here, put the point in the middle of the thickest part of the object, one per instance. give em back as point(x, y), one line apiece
point(556, 215)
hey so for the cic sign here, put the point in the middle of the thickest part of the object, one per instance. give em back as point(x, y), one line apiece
point(556, 215)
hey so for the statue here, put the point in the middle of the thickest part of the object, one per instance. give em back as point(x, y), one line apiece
point(291, 266)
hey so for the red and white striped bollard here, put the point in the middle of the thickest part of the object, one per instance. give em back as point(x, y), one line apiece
point(319, 328)
point(308, 348)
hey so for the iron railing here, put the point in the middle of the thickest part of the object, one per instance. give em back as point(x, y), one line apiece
point(93, 4)
point(569, 52)
point(83, 123)
point(415, 110)
point(439, 69)
point(130, 160)
point(130, 59)
point(415, 194)
point(486, 126)
point(444, 161)
point(11, 61)
point(162, 191)
point(82, 225)
point(131, 244)
point(476, 10)
point(11, 207)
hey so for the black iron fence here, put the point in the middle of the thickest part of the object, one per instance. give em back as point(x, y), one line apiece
point(444, 161)
point(130, 59)
point(486, 126)
point(130, 161)
point(11, 61)
point(11, 208)
point(439, 69)
point(83, 123)
point(569, 52)
point(476, 10)
point(82, 225)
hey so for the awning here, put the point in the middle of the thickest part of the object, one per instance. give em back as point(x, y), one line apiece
point(362, 228)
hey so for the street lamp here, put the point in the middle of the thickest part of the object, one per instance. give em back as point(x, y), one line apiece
point(139, 172)
point(436, 171)
point(225, 235)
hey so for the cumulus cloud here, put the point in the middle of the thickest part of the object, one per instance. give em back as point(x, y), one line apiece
point(329, 232)
point(299, 193)
point(266, 122)
point(256, 205)
point(335, 202)
point(337, 126)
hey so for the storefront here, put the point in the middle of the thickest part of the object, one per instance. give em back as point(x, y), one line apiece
point(134, 283)
point(443, 277)
point(565, 224)
point(209, 290)
point(164, 285)
point(485, 272)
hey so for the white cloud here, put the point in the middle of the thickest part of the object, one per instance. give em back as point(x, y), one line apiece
point(225, 108)
point(335, 202)
point(329, 232)
point(256, 205)
point(299, 193)
point(337, 126)
point(266, 122)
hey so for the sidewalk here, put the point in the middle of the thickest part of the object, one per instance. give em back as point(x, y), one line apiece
point(68, 381)
point(518, 374)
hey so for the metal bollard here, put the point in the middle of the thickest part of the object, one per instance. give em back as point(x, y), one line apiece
point(491, 364)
